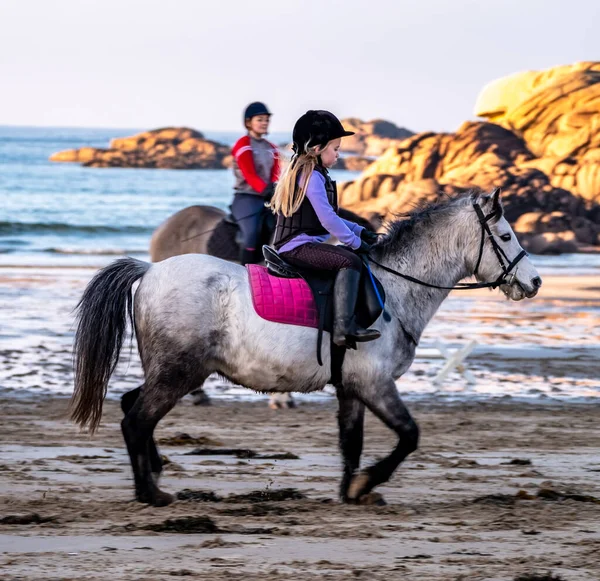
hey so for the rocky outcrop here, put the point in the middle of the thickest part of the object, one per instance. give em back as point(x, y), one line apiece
point(354, 163)
point(168, 148)
point(372, 138)
point(542, 149)
point(479, 154)
point(557, 113)
point(184, 148)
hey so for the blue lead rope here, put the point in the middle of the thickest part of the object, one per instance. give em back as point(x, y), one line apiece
point(386, 315)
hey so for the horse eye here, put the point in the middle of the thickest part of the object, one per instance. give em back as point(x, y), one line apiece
point(505, 237)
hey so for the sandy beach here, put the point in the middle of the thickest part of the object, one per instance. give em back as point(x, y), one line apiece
point(505, 482)
point(496, 490)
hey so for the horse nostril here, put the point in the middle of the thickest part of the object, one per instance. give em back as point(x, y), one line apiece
point(536, 282)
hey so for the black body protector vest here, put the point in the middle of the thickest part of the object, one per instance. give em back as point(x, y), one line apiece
point(305, 220)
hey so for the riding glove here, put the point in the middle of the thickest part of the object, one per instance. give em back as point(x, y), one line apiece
point(368, 236)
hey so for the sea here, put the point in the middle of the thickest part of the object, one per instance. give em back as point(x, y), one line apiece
point(60, 222)
point(64, 214)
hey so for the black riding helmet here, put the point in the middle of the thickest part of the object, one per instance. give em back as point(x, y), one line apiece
point(316, 128)
point(254, 109)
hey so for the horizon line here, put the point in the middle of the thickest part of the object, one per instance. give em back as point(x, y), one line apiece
point(107, 127)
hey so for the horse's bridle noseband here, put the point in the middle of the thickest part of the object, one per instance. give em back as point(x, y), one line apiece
point(507, 266)
point(500, 254)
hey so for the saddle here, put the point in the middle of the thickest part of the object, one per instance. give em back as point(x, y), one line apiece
point(283, 293)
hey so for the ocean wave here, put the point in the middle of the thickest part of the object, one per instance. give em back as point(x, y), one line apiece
point(11, 228)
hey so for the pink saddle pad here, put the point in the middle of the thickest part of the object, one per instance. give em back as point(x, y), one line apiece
point(282, 300)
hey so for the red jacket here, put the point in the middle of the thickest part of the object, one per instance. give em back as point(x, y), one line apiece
point(250, 175)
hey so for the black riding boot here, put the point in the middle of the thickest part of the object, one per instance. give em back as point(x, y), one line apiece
point(247, 256)
point(345, 329)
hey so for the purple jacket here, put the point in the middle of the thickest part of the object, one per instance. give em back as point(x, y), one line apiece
point(347, 232)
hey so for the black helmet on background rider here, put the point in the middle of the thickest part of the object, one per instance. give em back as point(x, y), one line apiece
point(316, 128)
point(254, 109)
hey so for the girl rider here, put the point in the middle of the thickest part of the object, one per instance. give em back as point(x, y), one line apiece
point(305, 202)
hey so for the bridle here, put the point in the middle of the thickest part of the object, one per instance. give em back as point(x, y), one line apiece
point(507, 266)
point(507, 276)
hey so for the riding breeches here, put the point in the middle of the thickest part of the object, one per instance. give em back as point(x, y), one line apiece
point(318, 256)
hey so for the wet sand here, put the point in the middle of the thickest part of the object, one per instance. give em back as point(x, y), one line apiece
point(495, 491)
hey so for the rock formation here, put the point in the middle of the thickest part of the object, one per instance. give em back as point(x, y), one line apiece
point(542, 149)
point(557, 113)
point(168, 148)
point(184, 148)
point(372, 138)
point(354, 163)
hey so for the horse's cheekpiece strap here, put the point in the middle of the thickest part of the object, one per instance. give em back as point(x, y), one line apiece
point(500, 254)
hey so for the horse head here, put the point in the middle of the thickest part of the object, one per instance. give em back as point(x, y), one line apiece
point(458, 237)
point(496, 254)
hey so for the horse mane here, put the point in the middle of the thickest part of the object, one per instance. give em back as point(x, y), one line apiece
point(401, 229)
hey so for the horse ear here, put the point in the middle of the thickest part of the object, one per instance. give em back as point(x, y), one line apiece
point(496, 201)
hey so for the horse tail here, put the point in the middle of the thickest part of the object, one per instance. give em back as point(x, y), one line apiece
point(102, 322)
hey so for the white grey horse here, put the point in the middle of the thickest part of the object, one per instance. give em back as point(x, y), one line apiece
point(194, 316)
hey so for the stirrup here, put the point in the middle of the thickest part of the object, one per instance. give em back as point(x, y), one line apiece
point(369, 335)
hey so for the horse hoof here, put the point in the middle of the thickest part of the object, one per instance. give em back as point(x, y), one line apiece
point(281, 402)
point(282, 405)
point(357, 485)
point(371, 499)
point(162, 498)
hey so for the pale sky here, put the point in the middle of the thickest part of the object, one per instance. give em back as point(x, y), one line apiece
point(151, 63)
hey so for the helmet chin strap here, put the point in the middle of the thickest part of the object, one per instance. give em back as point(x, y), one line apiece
point(319, 159)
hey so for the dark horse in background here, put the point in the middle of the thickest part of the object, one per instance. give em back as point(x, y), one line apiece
point(209, 230)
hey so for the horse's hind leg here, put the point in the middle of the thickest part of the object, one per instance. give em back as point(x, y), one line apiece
point(127, 401)
point(351, 418)
point(157, 398)
point(200, 397)
point(385, 403)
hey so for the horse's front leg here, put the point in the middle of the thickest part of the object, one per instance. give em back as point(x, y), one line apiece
point(383, 400)
point(351, 419)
